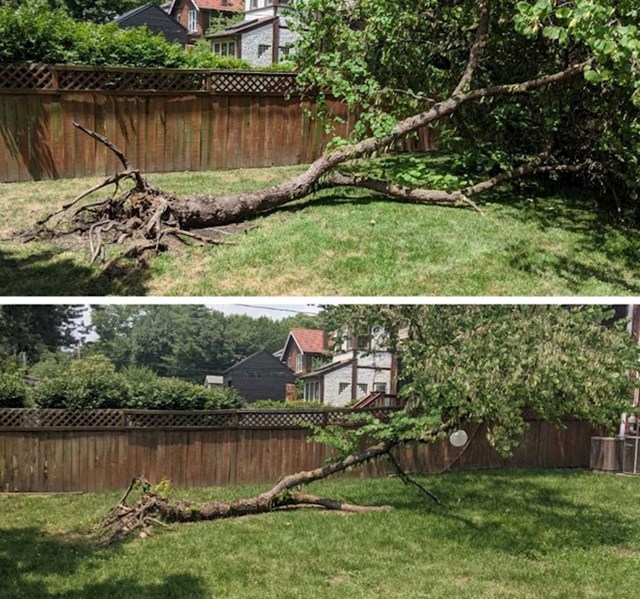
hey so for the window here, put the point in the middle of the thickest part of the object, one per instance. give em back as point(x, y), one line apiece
point(362, 387)
point(299, 363)
point(361, 342)
point(380, 387)
point(192, 21)
point(343, 387)
point(224, 48)
point(286, 52)
point(312, 391)
point(263, 49)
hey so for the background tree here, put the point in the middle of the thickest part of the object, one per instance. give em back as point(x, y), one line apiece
point(465, 365)
point(188, 342)
point(30, 330)
point(98, 11)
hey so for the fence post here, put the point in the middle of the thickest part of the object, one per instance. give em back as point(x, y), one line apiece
point(55, 78)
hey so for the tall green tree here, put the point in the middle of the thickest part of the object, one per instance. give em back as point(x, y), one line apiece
point(464, 365)
point(184, 341)
point(30, 330)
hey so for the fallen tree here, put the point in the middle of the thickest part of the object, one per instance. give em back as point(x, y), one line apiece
point(463, 365)
point(146, 218)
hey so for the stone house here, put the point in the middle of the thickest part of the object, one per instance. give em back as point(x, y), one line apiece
point(263, 38)
point(350, 371)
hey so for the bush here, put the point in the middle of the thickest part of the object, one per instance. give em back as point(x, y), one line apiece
point(201, 57)
point(93, 382)
point(90, 383)
point(174, 394)
point(13, 391)
point(35, 32)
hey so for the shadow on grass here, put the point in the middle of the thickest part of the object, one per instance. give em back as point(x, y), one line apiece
point(529, 516)
point(597, 232)
point(27, 555)
point(44, 272)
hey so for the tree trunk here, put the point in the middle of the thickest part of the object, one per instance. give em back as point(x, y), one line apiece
point(154, 219)
point(152, 509)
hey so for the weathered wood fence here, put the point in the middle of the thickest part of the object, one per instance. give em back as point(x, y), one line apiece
point(164, 119)
point(47, 455)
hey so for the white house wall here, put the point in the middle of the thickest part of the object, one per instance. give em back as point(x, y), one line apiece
point(380, 359)
point(288, 38)
point(366, 376)
point(252, 40)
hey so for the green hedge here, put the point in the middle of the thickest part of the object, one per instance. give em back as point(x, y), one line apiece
point(93, 383)
point(13, 391)
point(34, 32)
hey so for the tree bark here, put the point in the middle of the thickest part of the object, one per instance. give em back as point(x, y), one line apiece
point(151, 508)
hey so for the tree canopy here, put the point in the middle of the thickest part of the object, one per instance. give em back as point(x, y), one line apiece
point(187, 342)
point(472, 364)
point(391, 60)
point(31, 330)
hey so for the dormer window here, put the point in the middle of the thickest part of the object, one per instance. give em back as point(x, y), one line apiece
point(192, 21)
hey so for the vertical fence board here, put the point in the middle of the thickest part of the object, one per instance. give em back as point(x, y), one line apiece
point(95, 460)
point(160, 130)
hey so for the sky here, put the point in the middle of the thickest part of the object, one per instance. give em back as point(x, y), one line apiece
point(275, 311)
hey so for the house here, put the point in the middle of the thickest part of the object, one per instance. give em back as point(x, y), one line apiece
point(260, 376)
point(264, 38)
point(305, 349)
point(157, 20)
point(197, 15)
point(360, 368)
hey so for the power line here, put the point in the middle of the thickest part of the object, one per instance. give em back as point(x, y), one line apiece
point(274, 309)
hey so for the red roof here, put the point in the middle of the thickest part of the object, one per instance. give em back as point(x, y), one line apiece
point(219, 5)
point(310, 341)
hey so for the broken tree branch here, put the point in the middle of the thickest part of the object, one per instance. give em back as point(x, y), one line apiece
point(126, 518)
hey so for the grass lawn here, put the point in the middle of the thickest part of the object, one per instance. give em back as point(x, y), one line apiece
point(501, 534)
point(354, 243)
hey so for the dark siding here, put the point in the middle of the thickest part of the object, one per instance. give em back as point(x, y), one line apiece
point(261, 377)
point(157, 21)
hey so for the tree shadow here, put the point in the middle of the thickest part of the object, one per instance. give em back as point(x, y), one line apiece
point(595, 227)
point(27, 555)
point(25, 138)
point(524, 516)
point(45, 272)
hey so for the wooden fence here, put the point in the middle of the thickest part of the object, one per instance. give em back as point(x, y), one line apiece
point(164, 120)
point(37, 458)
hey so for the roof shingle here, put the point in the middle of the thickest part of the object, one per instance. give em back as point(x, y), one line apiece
point(310, 341)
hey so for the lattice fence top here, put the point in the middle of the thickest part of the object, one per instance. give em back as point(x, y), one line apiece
point(79, 78)
point(28, 76)
point(27, 418)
